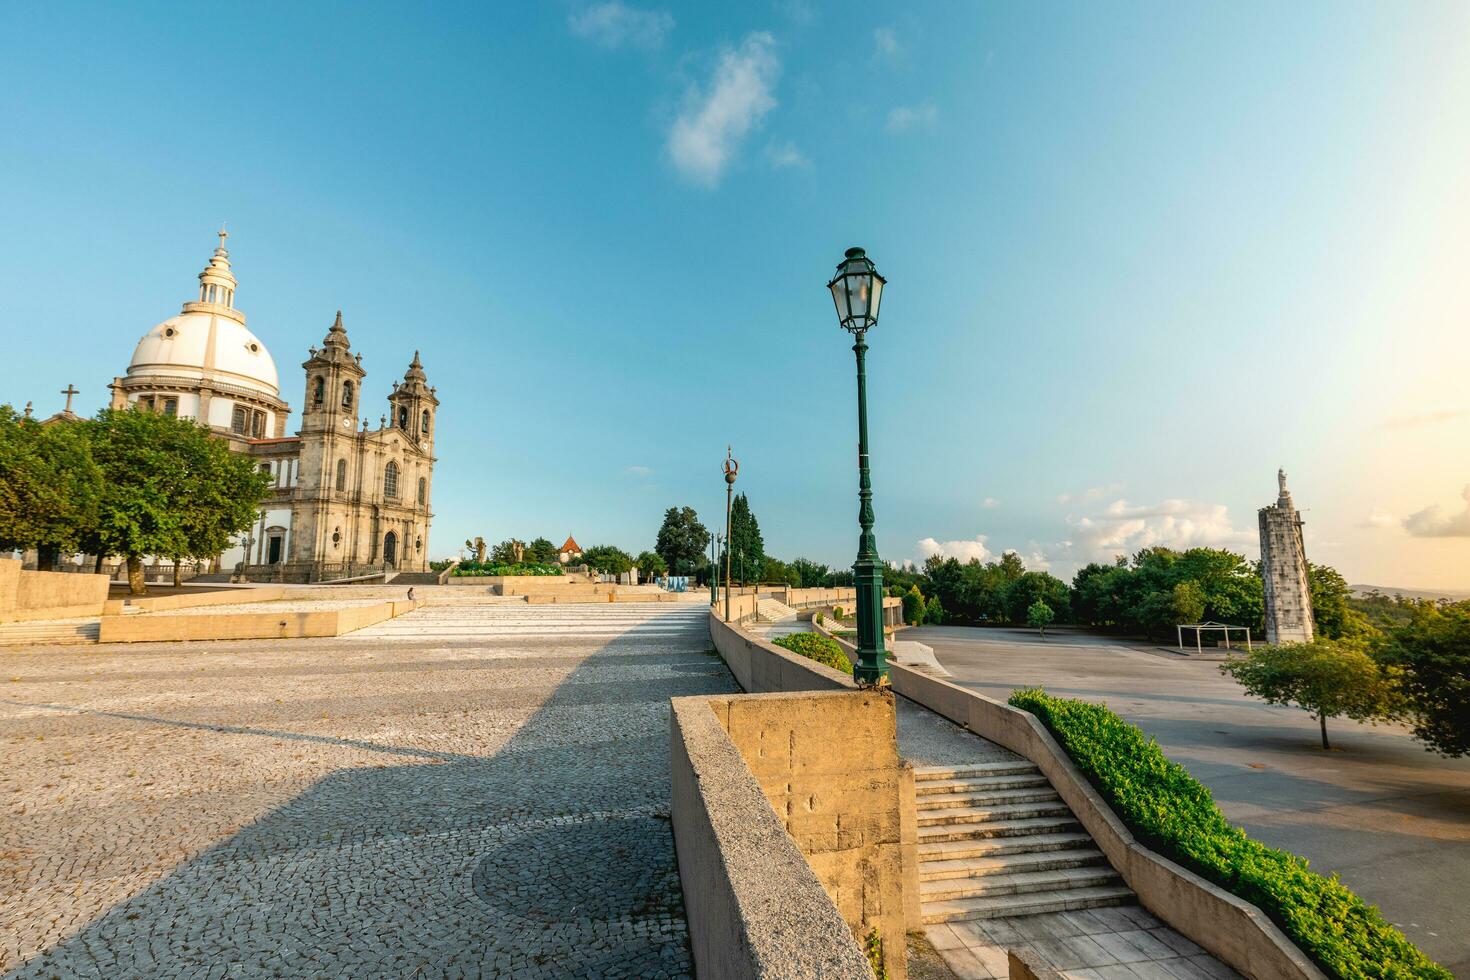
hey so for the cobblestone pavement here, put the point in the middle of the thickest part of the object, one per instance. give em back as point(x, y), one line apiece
point(440, 803)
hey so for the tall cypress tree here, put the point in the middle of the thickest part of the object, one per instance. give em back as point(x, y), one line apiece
point(746, 546)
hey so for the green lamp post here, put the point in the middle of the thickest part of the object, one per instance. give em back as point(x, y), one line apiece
point(857, 289)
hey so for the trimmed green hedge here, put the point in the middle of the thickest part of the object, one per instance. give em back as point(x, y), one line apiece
point(506, 568)
point(815, 646)
point(1173, 813)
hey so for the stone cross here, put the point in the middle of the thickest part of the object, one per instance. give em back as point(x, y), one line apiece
point(68, 391)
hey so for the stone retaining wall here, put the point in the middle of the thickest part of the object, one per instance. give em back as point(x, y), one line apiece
point(27, 595)
point(760, 666)
point(223, 596)
point(154, 627)
point(1229, 927)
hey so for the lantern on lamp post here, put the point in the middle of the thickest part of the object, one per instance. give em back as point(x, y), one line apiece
point(857, 290)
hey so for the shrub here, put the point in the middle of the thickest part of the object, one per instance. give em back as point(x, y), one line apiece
point(815, 646)
point(1173, 813)
point(913, 606)
point(836, 612)
point(502, 568)
point(934, 611)
point(818, 617)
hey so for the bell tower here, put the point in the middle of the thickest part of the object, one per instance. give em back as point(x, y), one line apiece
point(333, 384)
point(413, 407)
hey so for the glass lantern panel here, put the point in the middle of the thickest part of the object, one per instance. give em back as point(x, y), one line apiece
point(875, 299)
point(839, 297)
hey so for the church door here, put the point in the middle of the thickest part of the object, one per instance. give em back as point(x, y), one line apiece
point(390, 550)
point(273, 550)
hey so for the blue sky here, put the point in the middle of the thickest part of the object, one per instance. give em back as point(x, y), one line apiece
point(1138, 255)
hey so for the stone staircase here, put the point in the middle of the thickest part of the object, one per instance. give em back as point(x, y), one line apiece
point(47, 633)
point(995, 840)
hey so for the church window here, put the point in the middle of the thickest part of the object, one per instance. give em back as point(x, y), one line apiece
point(425, 427)
point(341, 474)
point(265, 468)
point(423, 489)
point(239, 418)
point(347, 394)
point(170, 406)
point(257, 424)
point(145, 402)
point(390, 480)
point(403, 419)
point(318, 391)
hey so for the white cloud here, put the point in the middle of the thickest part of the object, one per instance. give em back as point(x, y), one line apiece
point(990, 503)
point(1433, 522)
point(903, 118)
point(1089, 495)
point(1426, 418)
point(963, 550)
point(614, 25)
point(640, 471)
point(886, 46)
point(714, 123)
point(1122, 528)
point(787, 154)
point(1379, 517)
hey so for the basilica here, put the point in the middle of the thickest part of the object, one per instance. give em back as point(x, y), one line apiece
point(345, 499)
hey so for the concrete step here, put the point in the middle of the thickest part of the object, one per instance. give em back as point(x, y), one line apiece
point(1017, 883)
point(978, 785)
point(971, 770)
point(1027, 827)
point(984, 867)
point(990, 813)
point(1024, 794)
point(44, 633)
point(999, 846)
point(1035, 903)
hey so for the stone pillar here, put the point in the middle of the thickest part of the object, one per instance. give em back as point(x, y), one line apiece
point(1284, 572)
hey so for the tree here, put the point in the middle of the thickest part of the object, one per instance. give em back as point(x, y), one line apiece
point(681, 540)
point(1038, 616)
point(1188, 603)
point(607, 558)
point(809, 574)
point(934, 611)
point(543, 552)
point(913, 606)
point(511, 551)
point(152, 501)
point(745, 542)
point(1025, 590)
point(1433, 652)
point(49, 486)
point(650, 565)
point(775, 570)
point(1332, 611)
point(1327, 678)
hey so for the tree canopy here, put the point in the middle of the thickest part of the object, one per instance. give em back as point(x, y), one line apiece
point(49, 486)
point(608, 559)
point(682, 540)
point(1432, 653)
point(747, 549)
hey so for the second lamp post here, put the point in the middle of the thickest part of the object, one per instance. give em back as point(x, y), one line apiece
point(857, 289)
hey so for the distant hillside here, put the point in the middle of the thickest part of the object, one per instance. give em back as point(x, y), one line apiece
point(1410, 593)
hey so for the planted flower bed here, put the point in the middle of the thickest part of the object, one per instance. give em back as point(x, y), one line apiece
point(506, 568)
point(816, 647)
point(1171, 812)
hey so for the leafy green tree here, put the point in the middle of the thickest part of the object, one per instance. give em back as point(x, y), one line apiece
point(511, 551)
point(745, 543)
point(681, 540)
point(777, 571)
point(1432, 650)
point(809, 574)
point(542, 551)
point(913, 606)
point(1332, 608)
point(650, 565)
point(1327, 678)
point(1188, 605)
point(608, 559)
point(934, 611)
point(1039, 616)
point(153, 500)
point(49, 486)
point(1026, 589)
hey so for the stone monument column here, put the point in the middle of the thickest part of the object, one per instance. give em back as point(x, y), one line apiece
point(1284, 571)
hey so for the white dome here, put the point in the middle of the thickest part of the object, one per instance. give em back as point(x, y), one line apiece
point(208, 346)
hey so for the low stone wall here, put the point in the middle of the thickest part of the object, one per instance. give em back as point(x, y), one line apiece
point(27, 595)
point(1229, 927)
point(190, 600)
point(773, 794)
point(155, 628)
point(603, 596)
point(761, 667)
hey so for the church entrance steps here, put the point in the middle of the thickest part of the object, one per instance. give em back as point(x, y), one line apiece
point(44, 632)
point(995, 840)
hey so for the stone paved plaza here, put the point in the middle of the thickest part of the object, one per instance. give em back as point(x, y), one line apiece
point(456, 793)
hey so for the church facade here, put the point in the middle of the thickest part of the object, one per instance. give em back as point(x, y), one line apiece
point(345, 499)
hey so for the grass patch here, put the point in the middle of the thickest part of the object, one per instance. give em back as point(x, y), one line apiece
point(1173, 813)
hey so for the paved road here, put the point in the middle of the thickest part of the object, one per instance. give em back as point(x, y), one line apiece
point(1390, 818)
point(452, 795)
